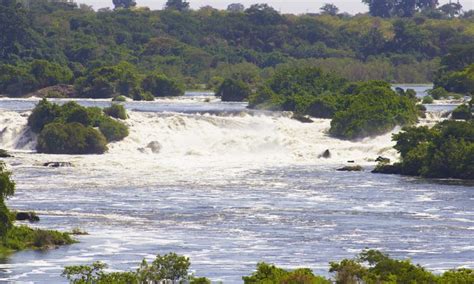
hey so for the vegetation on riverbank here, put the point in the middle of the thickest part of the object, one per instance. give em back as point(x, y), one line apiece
point(444, 151)
point(71, 128)
point(370, 266)
point(14, 238)
point(126, 51)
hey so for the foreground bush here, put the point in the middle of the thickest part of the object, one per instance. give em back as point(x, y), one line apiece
point(171, 267)
point(462, 112)
point(71, 128)
point(445, 151)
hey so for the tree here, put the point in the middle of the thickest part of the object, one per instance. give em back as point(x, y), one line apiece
point(380, 8)
point(160, 85)
point(233, 91)
point(329, 9)
point(13, 28)
point(7, 189)
point(451, 9)
point(126, 4)
point(236, 8)
point(178, 5)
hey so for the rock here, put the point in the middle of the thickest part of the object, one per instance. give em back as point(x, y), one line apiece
point(326, 155)
point(351, 169)
point(57, 91)
point(383, 160)
point(154, 146)
point(27, 216)
point(302, 118)
point(57, 164)
point(4, 154)
point(394, 169)
point(351, 162)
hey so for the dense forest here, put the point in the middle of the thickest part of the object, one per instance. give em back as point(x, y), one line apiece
point(45, 43)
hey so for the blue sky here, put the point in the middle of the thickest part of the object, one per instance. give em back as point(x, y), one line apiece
point(351, 6)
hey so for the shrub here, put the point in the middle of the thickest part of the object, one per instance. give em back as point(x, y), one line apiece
point(119, 99)
point(233, 91)
point(438, 93)
point(462, 112)
point(427, 100)
point(42, 114)
point(70, 138)
point(161, 86)
point(116, 111)
point(267, 273)
point(374, 109)
point(143, 96)
point(113, 130)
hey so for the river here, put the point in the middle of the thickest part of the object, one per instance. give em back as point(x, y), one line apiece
point(229, 188)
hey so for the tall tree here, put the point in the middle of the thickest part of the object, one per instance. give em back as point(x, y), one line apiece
point(178, 5)
point(329, 9)
point(13, 28)
point(236, 8)
point(451, 9)
point(126, 4)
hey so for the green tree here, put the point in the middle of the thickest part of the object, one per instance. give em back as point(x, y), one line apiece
point(7, 189)
point(126, 4)
point(160, 85)
point(329, 9)
point(233, 91)
point(178, 5)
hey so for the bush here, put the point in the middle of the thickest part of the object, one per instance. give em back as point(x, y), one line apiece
point(445, 151)
point(267, 273)
point(233, 91)
point(119, 99)
point(462, 112)
point(70, 138)
point(161, 86)
point(116, 111)
point(374, 109)
point(143, 96)
point(42, 114)
point(438, 93)
point(427, 100)
point(113, 130)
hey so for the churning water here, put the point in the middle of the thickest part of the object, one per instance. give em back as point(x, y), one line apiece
point(228, 188)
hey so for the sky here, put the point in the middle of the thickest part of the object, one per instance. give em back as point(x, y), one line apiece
point(295, 7)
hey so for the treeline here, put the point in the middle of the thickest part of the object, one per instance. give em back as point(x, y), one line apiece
point(370, 266)
point(51, 43)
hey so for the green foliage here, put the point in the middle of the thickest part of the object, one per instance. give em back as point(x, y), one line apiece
point(462, 112)
point(160, 85)
point(445, 151)
point(70, 138)
point(373, 109)
point(69, 129)
point(233, 91)
point(171, 267)
point(117, 111)
point(438, 93)
point(119, 99)
point(7, 189)
point(113, 130)
point(270, 274)
point(109, 81)
point(427, 100)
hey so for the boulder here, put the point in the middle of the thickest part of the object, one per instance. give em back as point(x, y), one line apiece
point(4, 154)
point(356, 168)
point(326, 155)
point(302, 118)
point(383, 160)
point(57, 164)
point(27, 216)
point(394, 169)
point(154, 146)
point(351, 162)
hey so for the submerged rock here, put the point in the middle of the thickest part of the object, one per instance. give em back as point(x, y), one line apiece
point(394, 169)
point(27, 216)
point(302, 118)
point(57, 164)
point(326, 155)
point(383, 160)
point(356, 168)
point(154, 146)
